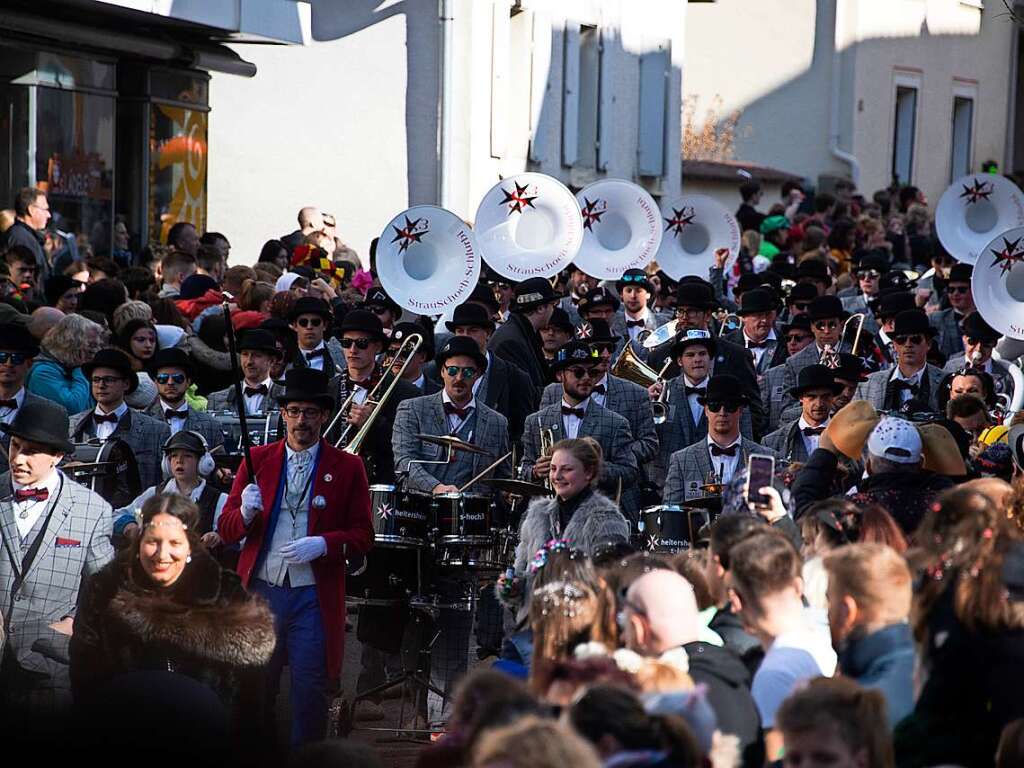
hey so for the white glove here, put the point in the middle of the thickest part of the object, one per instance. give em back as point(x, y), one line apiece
point(303, 550)
point(252, 502)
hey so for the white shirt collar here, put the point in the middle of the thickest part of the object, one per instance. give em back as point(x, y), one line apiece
point(321, 345)
point(770, 337)
point(120, 411)
point(419, 381)
point(50, 483)
point(804, 424)
point(19, 397)
point(313, 450)
point(165, 406)
point(582, 404)
point(737, 441)
point(171, 486)
point(267, 382)
point(690, 383)
point(643, 314)
point(446, 399)
point(914, 378)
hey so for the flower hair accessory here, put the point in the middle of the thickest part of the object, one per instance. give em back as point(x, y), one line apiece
point(559, 595)
point(541, 558)
point(362, 281)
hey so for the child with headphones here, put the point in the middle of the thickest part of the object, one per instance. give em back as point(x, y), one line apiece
point(187, 463)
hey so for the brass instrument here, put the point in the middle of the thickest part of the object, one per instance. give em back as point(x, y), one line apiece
point(631, 368)
point(857, 317)
point(388, 380)
point(547, 442)
point(728, 322)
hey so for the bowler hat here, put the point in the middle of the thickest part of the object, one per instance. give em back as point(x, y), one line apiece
point(895, 279)
point(257, 340)
point(961, 273)
point(173, 357)
point(43, 422)
point(597, 297)
point(306, 385)
point(484, 294)
point(802, 292)
point(196, 285)
point(378, 297)
point(875, 261)
point(815, 377)
point(560, 319)
point(748, 281)
point(912, 321)
point(310, 305)
point(470, 314)
point(692, 294)
point(15, 337)
point(532, 293)
point(403, 331)
point(892, 302)
point(757, 300)
point(461, 346)
point(798, 323)
point(115, 359)
point(574, 353)
point(813, 269)
point(362, 320)
point(595, 331)
point(975, 327)
point(723, 388)
point(823, 307)
point(636, 278)
point(690, 338)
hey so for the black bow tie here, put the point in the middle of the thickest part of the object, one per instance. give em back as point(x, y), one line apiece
point(169, 414)
point(730, 451)
point(812, 431)
point(12, 404)
point(901, 384)
point(451, 409)
point(253, 391)
point(31, 494)
point(600, 389)
point(99, 418)
point(695, 390)
point(577, 412)
point(759, 344)
point(315, 353)
point(635, 323)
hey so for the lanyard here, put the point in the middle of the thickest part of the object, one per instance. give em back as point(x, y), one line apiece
point(305, 489)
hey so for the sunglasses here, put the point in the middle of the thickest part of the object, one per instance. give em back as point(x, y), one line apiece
point(869, 274)
point(796, 338)
point(309, 322)
point(295, 412)
point(958, 289)
point(468, 373)
point(715, 407)
point(970, 340)
point(634, 278)
point(803, 306)
point(363, 343)
point(824, 325)
point(107, 379)
point(579, 372)
point(911, 338)
point(164, 378)
point(14, 358)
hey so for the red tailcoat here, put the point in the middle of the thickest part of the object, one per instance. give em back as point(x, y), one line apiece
point(344, 522)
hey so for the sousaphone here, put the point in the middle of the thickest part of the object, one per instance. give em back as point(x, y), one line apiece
point(621, 228)
point(695, 226)
point(428, 260)
point(997, 283)
point(974, 210)
point(528, 225)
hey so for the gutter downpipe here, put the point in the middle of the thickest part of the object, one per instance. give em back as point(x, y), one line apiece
point(833, 136)
point(446, 79)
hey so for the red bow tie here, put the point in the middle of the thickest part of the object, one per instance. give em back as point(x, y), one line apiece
point(32, 494)
point(600, 389)
point(366, 384)
point(812, 431)
point(99, 418)
point(730, 451)
point(12, 404)
point(451, 409)
point(579, 413)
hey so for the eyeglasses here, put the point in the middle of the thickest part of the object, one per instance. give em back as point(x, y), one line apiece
point(164, 378)
point(825, 325)
point(796, 338)
point(715, 407)
point(579, 372)
point(294, 412)
point(958, 289)
point(603, 346)
point(911, 338)
point(309, 322)
point(468, 373)
point(14, 358)
point(363, 343)
point(970, 340)
point(869, 274)
point(106, 379)
point(803, 306)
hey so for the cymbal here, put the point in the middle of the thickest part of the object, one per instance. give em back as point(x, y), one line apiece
point(450, 441)
point(517, 487)
point(703, 502)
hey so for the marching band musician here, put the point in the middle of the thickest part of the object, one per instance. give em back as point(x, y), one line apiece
point(980, 339)
point(947, 322)
point(758, 311)
point(310, 318)
point(17, 350)
point(306, 509)
point(886, 307)
point(722, 452)
point(797, 335)
point(518, 339)
point(913, 377)
point(112, 378)
point(576, 415)
point(636, 316)
point(816, 390)
point(257, 353)
point(383, 306)
point(419, 364)
point(557, 332)
point(173, 374)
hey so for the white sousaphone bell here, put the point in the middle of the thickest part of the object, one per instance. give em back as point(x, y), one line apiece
point(973, 210)
point(622, 228)
point(428, 260)
point(528, 225)
point(695, 227)
point(997, 283)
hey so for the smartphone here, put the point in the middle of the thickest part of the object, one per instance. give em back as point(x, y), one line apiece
point(760, 471)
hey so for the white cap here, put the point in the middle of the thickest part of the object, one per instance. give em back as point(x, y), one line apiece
point(284, 282)
point(896, 440)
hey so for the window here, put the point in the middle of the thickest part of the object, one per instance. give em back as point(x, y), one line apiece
point(581, 67)
point(654, 78)
point(903, 133)
point(962, 137)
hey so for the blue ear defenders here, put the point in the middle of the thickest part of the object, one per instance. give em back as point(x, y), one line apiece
point(206, 462)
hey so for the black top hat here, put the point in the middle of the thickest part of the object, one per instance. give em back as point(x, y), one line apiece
point(892, 302)
point(802, 292)
point(402, 331)
point(470, 314)
point(56, 286)
point(912, 321)
point(597, 297)
point(975, 327)
point(692, 337)
point(595, 331)
point(378, 297)
point(961, 273)
point(532, 293)
point(115, 359)
point(851, 368)
point(258, 340)
point(461, 345)
point(310, 305)
point(694, 294)
point(812, 269)
point(723, 388)
point(635, 277)
point(815, 377)
point(42, 422)
point(574, 353)
point(757, 300)
point(798, 323)
point(875, 261)
point(186, 440)
point(823, 307)
point(306, 385)
point(173, 357)
point(750, 280)
point(560, 319)
point(362, 320)
point(484, 294)
point(895, 280)
point(15, 337)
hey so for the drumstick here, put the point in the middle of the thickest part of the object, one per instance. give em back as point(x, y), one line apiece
point(488, 469)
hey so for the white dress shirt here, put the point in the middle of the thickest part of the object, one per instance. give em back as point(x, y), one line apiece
point(454, 422)
point(7, 414)
point(758, 352)
point(914, 380)
point(105, 429)
point(176, 425)
point(696, 409)
point(26, 513)
point(318, 361)
point(420, 382)
point(479, 380)
point(596, 396)
point(636, 330)
point(725, 466)
point(571, 424)
point(171, 486)
point(810, 441)
point(254, 403)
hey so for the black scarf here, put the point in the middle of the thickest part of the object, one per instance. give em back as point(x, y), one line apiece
point(566, 509)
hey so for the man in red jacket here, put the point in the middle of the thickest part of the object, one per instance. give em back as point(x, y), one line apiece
point(307, 508)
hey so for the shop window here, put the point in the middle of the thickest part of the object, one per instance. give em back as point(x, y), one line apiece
point(178, 155)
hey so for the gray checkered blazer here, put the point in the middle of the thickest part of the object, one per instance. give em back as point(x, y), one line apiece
point(788, 442)
point(485, 427)
point(874, 389)
point(143, 434)
point(224, 399)
point(76, 544)
point(950, 340)
point(197, 421)
point(618, 328)
point(773, 392)
point(689, 468)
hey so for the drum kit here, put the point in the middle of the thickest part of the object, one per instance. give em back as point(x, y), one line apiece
point(263, 429)
point(107, 467)
point(671, 528)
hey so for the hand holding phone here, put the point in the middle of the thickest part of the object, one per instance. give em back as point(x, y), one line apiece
point(760, 471)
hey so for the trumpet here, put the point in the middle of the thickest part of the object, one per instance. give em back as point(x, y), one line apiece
point(660, 406)
point(547, 442)
point(377, 397)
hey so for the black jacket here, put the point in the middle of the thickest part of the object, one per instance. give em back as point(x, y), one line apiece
point(907, 497)
point(728, 683)
point(517, 343)
point(729, 627)
point(819, 478)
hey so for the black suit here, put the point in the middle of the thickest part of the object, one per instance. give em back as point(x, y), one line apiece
point(516, 342)
point(778, 356)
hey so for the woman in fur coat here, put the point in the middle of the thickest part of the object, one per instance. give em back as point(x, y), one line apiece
point(167, 605)
point(577, 514)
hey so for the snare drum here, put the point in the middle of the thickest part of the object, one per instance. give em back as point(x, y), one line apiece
point(462, 518)
point(386, 577)
point(669, 527)
point(396, 522)
point(478, 557)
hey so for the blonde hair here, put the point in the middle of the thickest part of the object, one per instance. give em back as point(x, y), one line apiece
point(587, 451)
point(875, 576)
point(534, 743)
point(254, 294)
point(130, 310)
point(75, 340)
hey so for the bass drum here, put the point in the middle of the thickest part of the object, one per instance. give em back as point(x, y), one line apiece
point(109, 468)
point(384, 577)
point(669, 528)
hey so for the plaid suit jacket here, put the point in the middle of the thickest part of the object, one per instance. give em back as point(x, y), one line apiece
point(689, 469)
point(877, 385)
point(143, 434)
point(197, 421)
point(1000, 372)
point(809, 355)
point(425, 415)
point(224, 399)
point(950, 339)
point(5, 439)
point(773, 393)
point(618, 328)
point(788, 442)
point(608, 428)
point(76, 544)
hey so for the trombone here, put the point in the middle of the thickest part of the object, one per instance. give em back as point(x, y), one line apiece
point(728, 323)
point(857, 317)
point(377, 397)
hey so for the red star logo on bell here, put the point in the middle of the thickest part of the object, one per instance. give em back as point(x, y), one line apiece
point(519, 199)
point(979, 190)
point(412, 232)
point(1008, 257)
point(592, 212)
point(680, 218)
